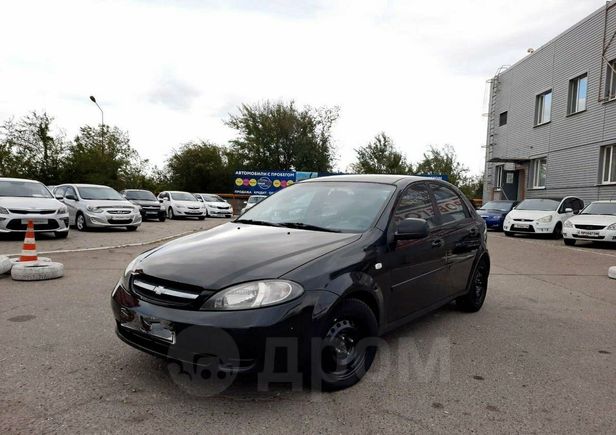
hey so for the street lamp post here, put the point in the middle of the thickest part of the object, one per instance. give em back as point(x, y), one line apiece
point(102, 121)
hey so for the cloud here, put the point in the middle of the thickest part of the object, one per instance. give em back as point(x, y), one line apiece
point(174, 94)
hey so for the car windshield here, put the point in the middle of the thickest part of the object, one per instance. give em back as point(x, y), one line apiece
point(24, 189)
point(183, 196)
point(255, 199)
point(539, 204)
point(140, 195)
point(212, 198)
point(606, 208)
point(99, 193)
point(324, 206)
point(497, 205)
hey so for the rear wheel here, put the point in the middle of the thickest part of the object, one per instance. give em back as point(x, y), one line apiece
point(569, 242)
point(473, 300)
point(80, 222)
point(345, 355)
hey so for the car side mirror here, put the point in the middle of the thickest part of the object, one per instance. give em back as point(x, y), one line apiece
point(160, 200)
point(568, 210)
point(412, 228)
point(70, 196)
point(245, 202)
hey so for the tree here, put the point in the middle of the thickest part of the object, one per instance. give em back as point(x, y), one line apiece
point(199, 167)
point(103, 155)
point(444, 161)
point(281, 136)
point(28, 149)
point(472, 186)
point(380, 156)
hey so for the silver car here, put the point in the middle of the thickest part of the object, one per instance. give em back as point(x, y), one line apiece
point(96, 206)
point(23, 200)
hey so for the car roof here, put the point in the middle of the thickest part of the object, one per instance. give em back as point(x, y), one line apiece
point(371, 178)
point(19, 179)
point(83, 185)
point(135, 190)
point(605, 201)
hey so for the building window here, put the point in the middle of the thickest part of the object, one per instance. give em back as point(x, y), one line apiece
point(502, 119)
point(610, 89)
point(539, 169)
point(498, 176)
point(543, 108)
point(608, 164)
point(578, 88)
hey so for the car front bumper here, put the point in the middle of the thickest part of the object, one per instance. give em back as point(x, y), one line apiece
point(220, 212)
point(533, 227)
point(17, 223)
point(493, 222)
point(189, 212)
point(238, 341)
point(100, 220)
point(151, 212)
point(590, 235)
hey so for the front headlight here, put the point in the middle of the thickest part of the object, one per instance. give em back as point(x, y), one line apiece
point(545, 219)
point(63, 210)
point(611, 227)
point(254, 295)
point(94, 209)
point(180, 206)
point(3, 210)
point(568, 224)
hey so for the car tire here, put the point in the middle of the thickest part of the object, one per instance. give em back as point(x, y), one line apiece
point(37, 271)
point(5, 264)
point(170, 214)
point(558, 231)
point(61, 234)
point(350, 323)
point(472, 301)
point(80, 222)
point(569, 242)
point(201, 218)
point(508, 233)
point(162, 218)
point(132, 228)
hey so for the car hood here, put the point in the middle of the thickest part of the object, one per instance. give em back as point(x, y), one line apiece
point(491, 212)
point(30, 203)
point(234, 253)
point(218, 204)
point(592, 219)
point(529, 214)
point(144, 202)
point(107, 203)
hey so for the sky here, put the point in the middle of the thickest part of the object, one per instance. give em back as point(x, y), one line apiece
point(169, 72)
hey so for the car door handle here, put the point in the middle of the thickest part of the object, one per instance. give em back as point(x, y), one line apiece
point(437, 243)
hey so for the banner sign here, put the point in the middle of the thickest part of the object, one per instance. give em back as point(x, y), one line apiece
point(262, 182)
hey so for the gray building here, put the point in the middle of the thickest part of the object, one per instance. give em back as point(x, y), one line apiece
point(552, 117)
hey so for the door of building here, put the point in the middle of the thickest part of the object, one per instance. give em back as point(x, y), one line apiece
point(510, 185)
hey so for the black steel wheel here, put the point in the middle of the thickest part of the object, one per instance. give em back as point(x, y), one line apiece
point(478, 289)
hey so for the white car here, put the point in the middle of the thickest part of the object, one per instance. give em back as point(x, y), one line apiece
point(215, 205)
point(597, 223)
point(252, 201)
point(23, 200)
point(541, 216)
point(97, 206)
point(181, 204)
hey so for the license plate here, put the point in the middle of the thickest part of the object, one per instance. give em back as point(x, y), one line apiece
point(152, 326)
point(34, 221)
point(588, 233)
point(522, 225)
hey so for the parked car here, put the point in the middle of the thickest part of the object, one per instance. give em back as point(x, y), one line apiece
point(494, 212)
point(181, 204)
point(214, 205)
point(96, 206)
point(368, 254)
point(596, 223)
point(252, 201)
point(22, 200)
point(148, 204)
point(542, 216)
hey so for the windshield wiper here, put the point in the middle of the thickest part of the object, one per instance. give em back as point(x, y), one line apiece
point(303, 226)
point(257, 222)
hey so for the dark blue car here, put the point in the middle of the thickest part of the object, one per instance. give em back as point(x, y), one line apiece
point(494, 212)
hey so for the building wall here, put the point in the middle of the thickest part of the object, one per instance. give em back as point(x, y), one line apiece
point(570, 143)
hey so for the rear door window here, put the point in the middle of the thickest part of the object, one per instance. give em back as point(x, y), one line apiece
point(449, 204)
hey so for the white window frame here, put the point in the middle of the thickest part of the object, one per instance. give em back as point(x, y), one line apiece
point(610, 81)
point(608, 155)
point(536, 164)
point(540, 108)
point(574, 99)
point(498, 176)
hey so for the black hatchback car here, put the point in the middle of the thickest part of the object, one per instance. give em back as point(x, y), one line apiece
point(335, 261)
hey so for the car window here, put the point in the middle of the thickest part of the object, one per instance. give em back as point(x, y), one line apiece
point(59, 192)
point(449, 204)
point(23, 189)
point(183, 196)
point(416, 203)
point(70, 191)
point(578, 204)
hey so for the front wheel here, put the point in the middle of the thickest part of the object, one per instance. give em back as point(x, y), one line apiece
point(132, 228)
point(61, 234)
point(170, 214)
point(472, 301)
point(162, 218)
point(508, 233)
point(80, 222)
point(569, 242)
point(558, 231)
point(347, 348)
point(201, 218)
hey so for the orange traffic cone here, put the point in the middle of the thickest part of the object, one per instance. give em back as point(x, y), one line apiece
point(28, 252)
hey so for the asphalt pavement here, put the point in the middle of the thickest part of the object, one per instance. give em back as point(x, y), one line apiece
point(539, 357)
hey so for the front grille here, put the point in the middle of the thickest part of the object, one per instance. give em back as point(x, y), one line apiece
point(166, 292)
point(118, 211)
point(590, 227)
point(21, 211)
point(588, 237)
point(522, 220)
point(119, 221)
point(222, 207)
point(16, 225)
